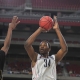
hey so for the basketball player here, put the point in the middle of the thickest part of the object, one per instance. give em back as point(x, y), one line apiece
point(43, 65)
point(5, 48)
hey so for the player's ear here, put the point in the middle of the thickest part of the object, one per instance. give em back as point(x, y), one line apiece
point(49, 49)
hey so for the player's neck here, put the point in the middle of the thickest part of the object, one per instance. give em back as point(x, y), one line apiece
point(45, 55)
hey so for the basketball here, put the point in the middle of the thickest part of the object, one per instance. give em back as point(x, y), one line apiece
point(46, 22)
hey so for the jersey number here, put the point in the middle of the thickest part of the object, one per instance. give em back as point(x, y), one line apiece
point(47, 62)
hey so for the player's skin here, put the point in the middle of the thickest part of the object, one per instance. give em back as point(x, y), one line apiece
point(11, 27)
point(44, 48)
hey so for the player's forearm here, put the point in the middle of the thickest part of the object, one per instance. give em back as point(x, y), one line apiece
point(62, 40)
point(8, 38)
point(32, 38)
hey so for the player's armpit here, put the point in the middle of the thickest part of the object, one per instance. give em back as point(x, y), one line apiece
point(32, 54)
point(60, 54)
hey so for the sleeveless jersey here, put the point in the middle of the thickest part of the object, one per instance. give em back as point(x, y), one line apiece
point(44, 69)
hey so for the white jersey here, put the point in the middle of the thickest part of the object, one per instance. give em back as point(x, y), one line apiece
point(44, 69)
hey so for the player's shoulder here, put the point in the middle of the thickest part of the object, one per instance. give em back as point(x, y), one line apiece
point(38, 56)
point(52, 56)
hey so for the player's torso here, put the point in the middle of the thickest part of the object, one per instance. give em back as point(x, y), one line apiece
point(44, 69)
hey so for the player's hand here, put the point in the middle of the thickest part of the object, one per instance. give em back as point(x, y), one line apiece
point(14, 22)
point(42, 29)
point(56, 26)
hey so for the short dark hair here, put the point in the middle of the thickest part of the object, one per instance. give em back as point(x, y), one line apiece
point(47, 42)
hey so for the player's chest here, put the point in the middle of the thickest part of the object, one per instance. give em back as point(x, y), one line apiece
point(45, 62)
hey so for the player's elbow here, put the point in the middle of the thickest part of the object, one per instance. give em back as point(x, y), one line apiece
point(5, 49)
point(26, 44)
point(65, 50)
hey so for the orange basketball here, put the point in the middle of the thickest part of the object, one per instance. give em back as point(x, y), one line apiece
point(46, 22)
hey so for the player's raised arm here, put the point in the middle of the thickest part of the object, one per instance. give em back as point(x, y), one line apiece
point(11, 27)
point(28, 44)
point(61, 53)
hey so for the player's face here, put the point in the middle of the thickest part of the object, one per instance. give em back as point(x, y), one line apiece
point(44, 48)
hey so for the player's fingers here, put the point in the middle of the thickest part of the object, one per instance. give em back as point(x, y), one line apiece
point(14, 17)
point(18, 22)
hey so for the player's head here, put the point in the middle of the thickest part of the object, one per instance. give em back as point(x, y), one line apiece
point(44, 47)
